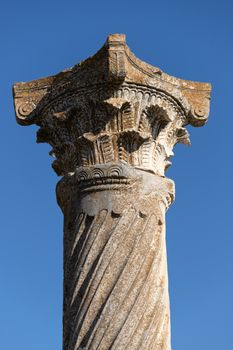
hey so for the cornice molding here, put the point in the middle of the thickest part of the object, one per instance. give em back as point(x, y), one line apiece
point(114, 63)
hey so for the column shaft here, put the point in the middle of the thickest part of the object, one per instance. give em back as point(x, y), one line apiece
point(115, 270)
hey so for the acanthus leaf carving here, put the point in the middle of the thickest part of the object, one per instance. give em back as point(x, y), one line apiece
point(116, 129)
point(112, 107)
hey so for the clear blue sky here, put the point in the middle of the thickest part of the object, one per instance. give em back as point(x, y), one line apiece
point(188, 39)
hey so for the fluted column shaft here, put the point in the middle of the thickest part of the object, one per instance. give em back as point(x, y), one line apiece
point(115, 270)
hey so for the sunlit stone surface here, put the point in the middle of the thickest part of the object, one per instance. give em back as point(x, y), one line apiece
point(112, 122)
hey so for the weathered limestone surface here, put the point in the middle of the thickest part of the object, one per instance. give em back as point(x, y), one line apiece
point(112, 122)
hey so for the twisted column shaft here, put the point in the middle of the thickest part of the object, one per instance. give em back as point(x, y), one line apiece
point(115, 270)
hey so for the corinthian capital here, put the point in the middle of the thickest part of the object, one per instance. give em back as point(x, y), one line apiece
point(111, 108)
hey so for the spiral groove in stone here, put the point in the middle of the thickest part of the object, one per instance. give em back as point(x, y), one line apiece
point(116, 283)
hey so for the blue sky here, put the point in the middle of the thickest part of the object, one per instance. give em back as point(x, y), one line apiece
point(187, 39)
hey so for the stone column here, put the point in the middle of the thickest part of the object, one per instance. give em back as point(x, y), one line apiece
point(112, 122)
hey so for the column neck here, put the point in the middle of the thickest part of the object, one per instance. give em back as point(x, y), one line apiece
point(116, 177)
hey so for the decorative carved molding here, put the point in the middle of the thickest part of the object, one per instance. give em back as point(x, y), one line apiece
point(114, 176)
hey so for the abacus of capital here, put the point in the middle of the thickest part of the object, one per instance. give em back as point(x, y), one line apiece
point(112, 121)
